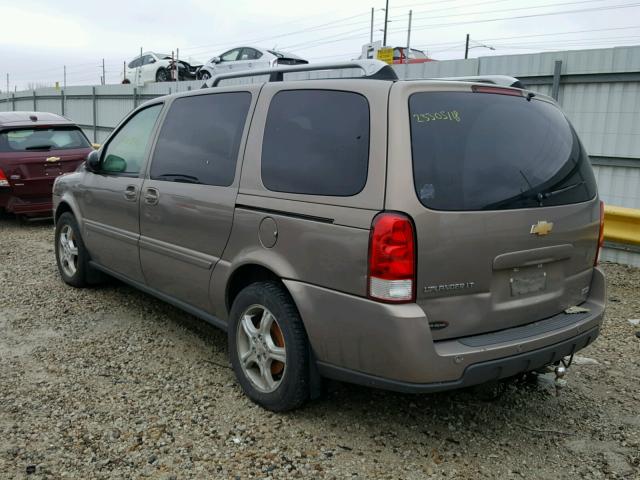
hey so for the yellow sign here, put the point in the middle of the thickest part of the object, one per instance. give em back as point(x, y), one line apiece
point(385, 54)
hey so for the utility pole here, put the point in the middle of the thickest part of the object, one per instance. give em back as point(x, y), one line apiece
point(177, 67)
point(64, 77)
point(406, 54)
point(386, 16)
point(104, 79)
point(466, 48)
point(7, 86)
point(371, 34)
point(138, 74)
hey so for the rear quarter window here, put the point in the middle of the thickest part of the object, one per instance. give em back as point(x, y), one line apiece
point(486, 151)
point(316, 142)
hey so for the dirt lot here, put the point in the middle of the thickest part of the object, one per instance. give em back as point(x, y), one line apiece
point(111, 383)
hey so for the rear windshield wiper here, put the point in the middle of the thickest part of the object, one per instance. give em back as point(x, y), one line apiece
point(552, 193)
point(178, 177)
point(39, 147)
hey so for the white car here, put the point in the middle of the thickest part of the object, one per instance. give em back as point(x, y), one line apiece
point(245, 58)
point(156, 67)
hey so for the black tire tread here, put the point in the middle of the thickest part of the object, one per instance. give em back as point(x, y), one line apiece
point(299, 389)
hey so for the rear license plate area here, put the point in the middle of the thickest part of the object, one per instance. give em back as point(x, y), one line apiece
point(526, 282)
point(52, 170)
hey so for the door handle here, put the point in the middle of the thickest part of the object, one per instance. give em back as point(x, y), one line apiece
point(131, 193)
point(151, 196)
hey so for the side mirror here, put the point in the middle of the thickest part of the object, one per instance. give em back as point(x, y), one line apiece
point(152, 60)
point(93, 161)
point(216, 60)
point(114, 164)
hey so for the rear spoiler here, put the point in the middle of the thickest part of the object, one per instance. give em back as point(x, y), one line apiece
point(500, 80)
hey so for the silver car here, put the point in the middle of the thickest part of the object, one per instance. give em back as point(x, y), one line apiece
point(410, 235)
point(245, 58)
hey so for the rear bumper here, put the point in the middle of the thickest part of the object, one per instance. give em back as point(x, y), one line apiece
point(25, 206)
point(390, 346)
point(474, 374)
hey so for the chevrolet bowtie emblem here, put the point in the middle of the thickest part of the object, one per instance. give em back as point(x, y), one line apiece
point(52, 159)
point(541, 228)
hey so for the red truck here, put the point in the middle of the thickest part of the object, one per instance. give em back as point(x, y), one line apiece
point(35, 148)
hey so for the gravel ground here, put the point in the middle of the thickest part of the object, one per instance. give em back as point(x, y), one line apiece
point(111, 383)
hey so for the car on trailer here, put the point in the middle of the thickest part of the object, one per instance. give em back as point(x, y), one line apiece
point(35, 149)
point(159, 67)
point(247, 58)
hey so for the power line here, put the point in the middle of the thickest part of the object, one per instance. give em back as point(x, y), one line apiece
point(561, 33)
point(331, 25)
point(556, 4)
point(359, 32)
point(518, 17)
point(307, 42)
point(576, 41)
point(491, 39)
point(322, 26)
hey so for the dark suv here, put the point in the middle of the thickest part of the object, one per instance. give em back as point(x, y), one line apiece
point(410, 235)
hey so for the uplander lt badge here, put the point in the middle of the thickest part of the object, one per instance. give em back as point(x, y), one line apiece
point(449, 286)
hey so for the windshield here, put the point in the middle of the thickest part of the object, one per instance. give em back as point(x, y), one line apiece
point(484, 151)
point(52, 138)
point(413, 53)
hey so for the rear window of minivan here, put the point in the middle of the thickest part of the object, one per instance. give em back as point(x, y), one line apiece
point(486, 151)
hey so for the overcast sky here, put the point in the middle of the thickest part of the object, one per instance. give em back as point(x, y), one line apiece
point(38, 37)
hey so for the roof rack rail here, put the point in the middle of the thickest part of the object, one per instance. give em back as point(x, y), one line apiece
point(373, 70)
point(501, 80)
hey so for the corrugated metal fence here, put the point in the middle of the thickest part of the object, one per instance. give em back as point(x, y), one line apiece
point(598, 89)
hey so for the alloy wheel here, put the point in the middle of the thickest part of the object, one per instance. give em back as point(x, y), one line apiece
point(261, 348)
point(68, 251)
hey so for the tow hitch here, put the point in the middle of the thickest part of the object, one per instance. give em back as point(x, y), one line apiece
point(560, 372)
point(552, 376)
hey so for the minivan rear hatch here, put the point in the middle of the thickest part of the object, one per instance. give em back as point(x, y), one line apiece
point(506, 217)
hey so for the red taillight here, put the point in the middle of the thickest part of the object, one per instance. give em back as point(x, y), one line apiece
point(3, 179)
point(600, 234)
point(392, 258)
point(498, 90)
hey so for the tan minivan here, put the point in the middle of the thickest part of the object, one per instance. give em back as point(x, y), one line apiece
point(416, 236)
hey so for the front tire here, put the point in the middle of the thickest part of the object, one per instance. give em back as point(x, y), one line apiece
point(268, 347)
point(162, 75)
point(71, 255)
point(205, 75)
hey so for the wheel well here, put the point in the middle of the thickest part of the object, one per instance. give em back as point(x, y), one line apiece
point(62, 208)
point(245, 276)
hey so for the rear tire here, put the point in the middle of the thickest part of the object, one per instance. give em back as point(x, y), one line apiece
point(71, 255)
point(265, 326)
